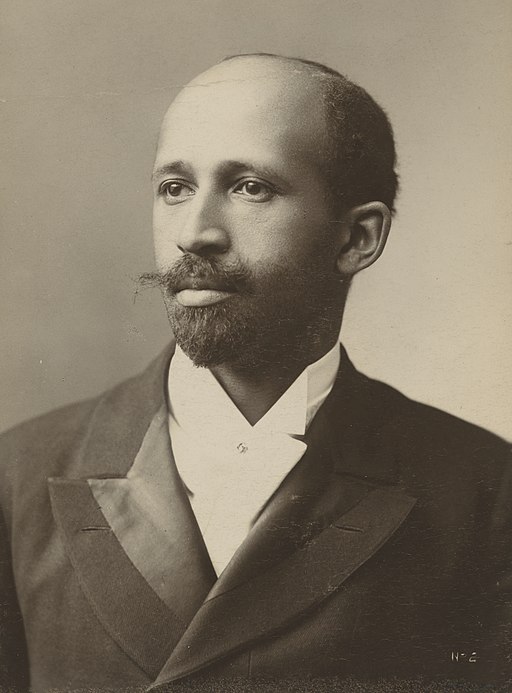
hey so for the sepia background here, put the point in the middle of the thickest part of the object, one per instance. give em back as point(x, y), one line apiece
point(84, 86)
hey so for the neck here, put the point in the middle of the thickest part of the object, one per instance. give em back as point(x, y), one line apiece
point(255, 390)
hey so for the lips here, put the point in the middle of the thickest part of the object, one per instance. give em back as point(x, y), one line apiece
point(194, 292)
point(203, 284)
point(195, 298)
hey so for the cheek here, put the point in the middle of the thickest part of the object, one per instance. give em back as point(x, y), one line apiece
point(164, 249)
point(165, 225)
point(283, 233)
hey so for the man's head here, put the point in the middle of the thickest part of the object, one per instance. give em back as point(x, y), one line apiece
point(273, 182)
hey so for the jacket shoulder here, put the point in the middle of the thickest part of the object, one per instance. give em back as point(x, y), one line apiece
point(38, 447)
point(392, 408)
point(50, 445)
point(48, 430)
point(51, 431)
point(433, 443)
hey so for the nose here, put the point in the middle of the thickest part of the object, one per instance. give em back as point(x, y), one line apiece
point(204, 230)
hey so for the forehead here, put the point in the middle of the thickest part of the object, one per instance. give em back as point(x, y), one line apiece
point(244, 110)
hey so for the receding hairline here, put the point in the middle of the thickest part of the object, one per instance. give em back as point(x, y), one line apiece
point(310, 65)
point(283, 66)
point(220, 74)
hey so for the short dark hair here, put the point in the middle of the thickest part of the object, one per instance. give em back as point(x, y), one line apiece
point(359, 137)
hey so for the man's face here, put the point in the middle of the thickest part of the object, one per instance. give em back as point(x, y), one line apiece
point(241, 217)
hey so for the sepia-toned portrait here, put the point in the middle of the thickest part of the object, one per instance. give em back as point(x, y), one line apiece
point(256, 374)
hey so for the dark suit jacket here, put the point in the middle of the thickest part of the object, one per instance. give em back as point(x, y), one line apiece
point(385, 552)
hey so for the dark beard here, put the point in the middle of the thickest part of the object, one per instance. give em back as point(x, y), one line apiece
point(277, 315)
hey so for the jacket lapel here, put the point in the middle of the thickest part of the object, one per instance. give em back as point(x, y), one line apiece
point(336, 508)
point(151, 517)
point(131, 536)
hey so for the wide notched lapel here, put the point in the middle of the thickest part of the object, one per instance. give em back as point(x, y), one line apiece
point(132, 547)
point(334, 511)
point(151, 517)
point(124, 603)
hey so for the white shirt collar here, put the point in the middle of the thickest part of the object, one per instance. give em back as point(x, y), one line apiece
point(198, 401)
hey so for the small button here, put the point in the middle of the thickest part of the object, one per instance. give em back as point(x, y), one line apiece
point(242, 447)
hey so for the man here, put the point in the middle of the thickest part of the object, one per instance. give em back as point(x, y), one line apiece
point(251, 506)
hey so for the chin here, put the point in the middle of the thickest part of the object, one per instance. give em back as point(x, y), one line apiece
point(214, 334)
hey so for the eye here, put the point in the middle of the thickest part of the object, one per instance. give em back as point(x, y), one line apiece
point(174, 191)
point(254, 191)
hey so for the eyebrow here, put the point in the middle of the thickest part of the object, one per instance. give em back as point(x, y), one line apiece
point(180, 167)
point(177, 166)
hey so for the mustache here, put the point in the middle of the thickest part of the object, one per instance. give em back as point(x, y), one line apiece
point(232, 276)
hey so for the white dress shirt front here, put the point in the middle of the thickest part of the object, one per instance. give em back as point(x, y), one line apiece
point(229, 467)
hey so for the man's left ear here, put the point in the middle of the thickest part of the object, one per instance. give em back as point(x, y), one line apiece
point(364, 233)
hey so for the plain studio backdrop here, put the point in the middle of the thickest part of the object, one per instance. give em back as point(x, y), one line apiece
point(85, 85)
